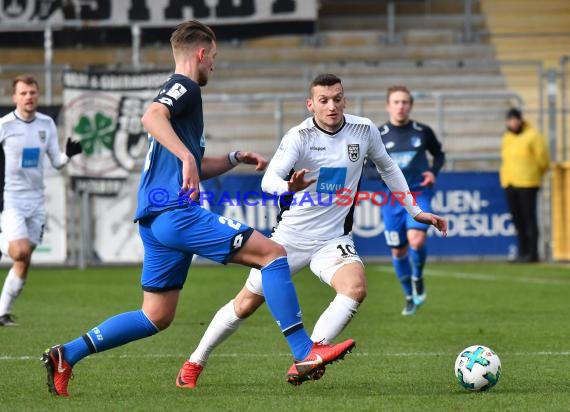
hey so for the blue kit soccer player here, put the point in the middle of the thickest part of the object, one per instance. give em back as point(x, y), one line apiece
point(174, 228)
point(408, 142)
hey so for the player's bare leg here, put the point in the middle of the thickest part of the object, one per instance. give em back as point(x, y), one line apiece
point(349, 282)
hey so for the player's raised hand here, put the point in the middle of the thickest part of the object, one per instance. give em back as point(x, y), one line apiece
point(297, 181)
point(252, 158)
point(430, 219)
point(72, 147)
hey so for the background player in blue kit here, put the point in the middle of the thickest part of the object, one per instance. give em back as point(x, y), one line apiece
point(408, 142)
point(173, 227)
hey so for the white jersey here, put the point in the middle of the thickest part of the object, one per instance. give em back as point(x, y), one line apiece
point(325, 209)
point(25, 147)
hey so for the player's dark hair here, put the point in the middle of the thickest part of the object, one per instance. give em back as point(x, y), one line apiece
point(325, 79)
point(191, 32)
point(24, 78)
point(399, 88)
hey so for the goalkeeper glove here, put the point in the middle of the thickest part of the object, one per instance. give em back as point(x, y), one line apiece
point(72, 147)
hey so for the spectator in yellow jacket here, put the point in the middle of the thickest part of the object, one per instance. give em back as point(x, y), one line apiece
point(524, 161)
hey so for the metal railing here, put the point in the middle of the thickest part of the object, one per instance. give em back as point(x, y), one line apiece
point(440, 104)
point(392, 19)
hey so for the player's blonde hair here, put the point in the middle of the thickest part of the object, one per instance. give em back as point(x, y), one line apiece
point(191, 32)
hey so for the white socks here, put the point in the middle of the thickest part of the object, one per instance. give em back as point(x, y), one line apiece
point(334, 319)
point(224, 323)
point(13, 285)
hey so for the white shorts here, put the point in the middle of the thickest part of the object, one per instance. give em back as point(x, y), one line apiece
point(26, 221)
point(323, 257)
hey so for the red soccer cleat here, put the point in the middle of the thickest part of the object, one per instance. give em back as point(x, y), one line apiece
point(320, 356)
point(294, 379)
point(58, 370)
point(188, 375)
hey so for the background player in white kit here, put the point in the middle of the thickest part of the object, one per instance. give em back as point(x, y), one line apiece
point(26, 137)
point(321, 155)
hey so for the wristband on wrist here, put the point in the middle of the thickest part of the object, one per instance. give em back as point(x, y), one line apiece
point(232, 157)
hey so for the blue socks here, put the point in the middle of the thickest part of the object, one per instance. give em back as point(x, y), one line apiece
point(281, 299)
point(113, 332)
point(418, 257)
point(280, 296)
point(403, 270)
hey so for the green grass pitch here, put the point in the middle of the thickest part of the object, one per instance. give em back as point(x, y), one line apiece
point(399, 364)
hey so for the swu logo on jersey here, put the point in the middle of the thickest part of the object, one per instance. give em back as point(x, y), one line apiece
point(353, 152)
point(331, 179)
point(30, 157)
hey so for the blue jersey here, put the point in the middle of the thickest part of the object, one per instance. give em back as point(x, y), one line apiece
point(161, 177)
point(408, 146)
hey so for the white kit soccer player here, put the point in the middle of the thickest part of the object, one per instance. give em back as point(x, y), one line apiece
point(318, 167)
point(27, 138)
point(336, 161)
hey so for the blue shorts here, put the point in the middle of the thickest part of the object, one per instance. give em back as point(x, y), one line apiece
point(171, 238)
point(397, 221)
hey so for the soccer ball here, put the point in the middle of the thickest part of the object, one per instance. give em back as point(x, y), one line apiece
point(477, 368)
